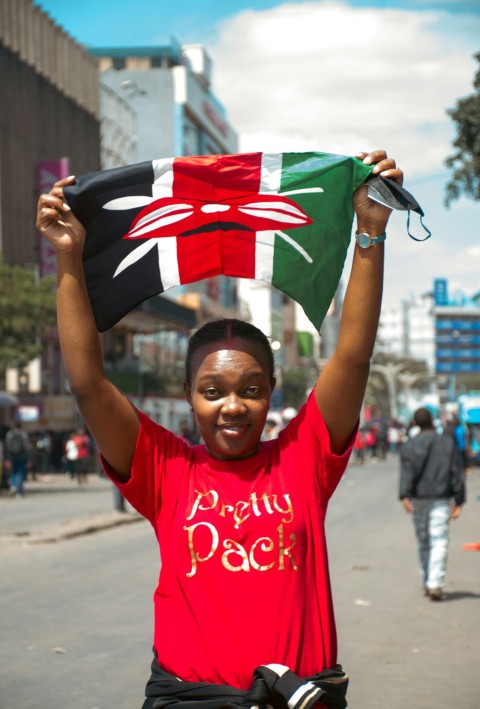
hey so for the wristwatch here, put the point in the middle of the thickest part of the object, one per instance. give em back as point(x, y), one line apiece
point(364, 240)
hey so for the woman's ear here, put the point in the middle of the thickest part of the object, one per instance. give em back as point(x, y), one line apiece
point(273, 382)
point(187, 390)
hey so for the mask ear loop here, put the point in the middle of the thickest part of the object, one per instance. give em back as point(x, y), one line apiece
point(396, 196)
point(429, 233)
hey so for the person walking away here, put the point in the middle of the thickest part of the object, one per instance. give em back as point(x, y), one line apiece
point(16, 457)
point(432, 488)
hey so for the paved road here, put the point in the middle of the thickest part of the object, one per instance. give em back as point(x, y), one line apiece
point(76, 615)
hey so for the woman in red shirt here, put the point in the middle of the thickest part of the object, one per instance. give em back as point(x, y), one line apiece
point(244, 581)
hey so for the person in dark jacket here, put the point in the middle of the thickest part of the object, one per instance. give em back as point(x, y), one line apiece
point(432, 487)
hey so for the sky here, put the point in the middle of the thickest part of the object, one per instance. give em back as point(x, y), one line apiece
point(336, 76)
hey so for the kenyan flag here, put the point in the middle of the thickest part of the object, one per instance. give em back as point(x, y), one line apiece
point(283, 218)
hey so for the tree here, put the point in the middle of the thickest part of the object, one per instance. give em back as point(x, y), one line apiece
point(27, 308)
point(466, 160)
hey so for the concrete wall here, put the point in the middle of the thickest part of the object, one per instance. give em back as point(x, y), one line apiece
point(37, 122)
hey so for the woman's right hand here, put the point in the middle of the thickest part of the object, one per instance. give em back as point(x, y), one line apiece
point(56, 221)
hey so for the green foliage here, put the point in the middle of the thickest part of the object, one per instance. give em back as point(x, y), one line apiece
point(465, 161)
point(295, 382)
point(27, 309)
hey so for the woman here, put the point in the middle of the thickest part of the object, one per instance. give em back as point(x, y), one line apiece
point(244, 578)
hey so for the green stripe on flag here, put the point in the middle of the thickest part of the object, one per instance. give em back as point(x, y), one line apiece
point(313, 280)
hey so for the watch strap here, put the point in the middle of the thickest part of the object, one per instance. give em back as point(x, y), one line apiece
point(364, 240)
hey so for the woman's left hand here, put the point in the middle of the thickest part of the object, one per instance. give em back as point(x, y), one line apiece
point(372, 217)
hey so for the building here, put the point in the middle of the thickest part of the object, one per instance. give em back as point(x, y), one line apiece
point(407, 331)
point(119, 130)
point(169, 88)
point(52, 125)
point(440, 328)
point(50, 109)
point(457, 338)
point(49, 128)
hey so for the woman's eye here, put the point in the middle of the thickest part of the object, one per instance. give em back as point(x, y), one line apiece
point(253, 391)
point(211, 392)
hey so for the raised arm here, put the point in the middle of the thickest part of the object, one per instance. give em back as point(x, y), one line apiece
point(341, 386)
point(108, 415)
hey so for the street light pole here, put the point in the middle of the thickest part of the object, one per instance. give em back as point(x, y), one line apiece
point(408, 379)
point(390, 372)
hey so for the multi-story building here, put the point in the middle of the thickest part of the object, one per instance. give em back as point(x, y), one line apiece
point(50, 109)
point(441, 329)
point(457, 338)
point(170, 88)
point(49, 128)
point(51, 120)
point(177, 113)
point(407, 330)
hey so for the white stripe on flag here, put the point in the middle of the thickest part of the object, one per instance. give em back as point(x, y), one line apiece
point(162, 178)
point(270, 180)
point(167, 246)
point(168, 261)
point(271, 172)
point(264, 246)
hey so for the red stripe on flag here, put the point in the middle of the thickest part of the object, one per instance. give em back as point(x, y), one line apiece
point(216, 180)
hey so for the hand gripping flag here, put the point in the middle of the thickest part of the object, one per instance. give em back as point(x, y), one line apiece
point(282, 218)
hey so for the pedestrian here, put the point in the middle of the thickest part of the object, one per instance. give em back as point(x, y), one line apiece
point(432, 488)
point(458, 432)
point(44, 447)
point(4, 483)
point(244, 580)
point(394, 438)
point(273, 426)
point(187, 434)
point(82, 462)
point(17, 449)
point(359, 447)
point(371, 444)
point(71, 455)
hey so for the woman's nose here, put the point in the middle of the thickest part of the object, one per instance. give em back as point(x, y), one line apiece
point(233, 404)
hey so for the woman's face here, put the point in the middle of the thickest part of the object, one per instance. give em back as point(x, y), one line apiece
point(230, 394)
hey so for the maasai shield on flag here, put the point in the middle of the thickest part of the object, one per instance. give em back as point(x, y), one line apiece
point(281, 218)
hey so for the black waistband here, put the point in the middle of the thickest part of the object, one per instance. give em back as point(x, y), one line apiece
point(273, 686)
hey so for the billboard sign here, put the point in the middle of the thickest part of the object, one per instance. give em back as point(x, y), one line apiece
point(440, 291)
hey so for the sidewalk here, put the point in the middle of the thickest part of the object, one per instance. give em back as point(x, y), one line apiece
point(54, 507)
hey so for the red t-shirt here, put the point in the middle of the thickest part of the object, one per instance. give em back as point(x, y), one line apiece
point(244, 578)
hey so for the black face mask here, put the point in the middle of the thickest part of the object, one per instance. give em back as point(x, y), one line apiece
point(391, 194)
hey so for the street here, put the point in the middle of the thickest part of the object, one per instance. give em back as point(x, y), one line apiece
point(76, 617)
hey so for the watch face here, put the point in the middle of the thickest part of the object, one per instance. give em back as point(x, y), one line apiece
point(363, 240)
